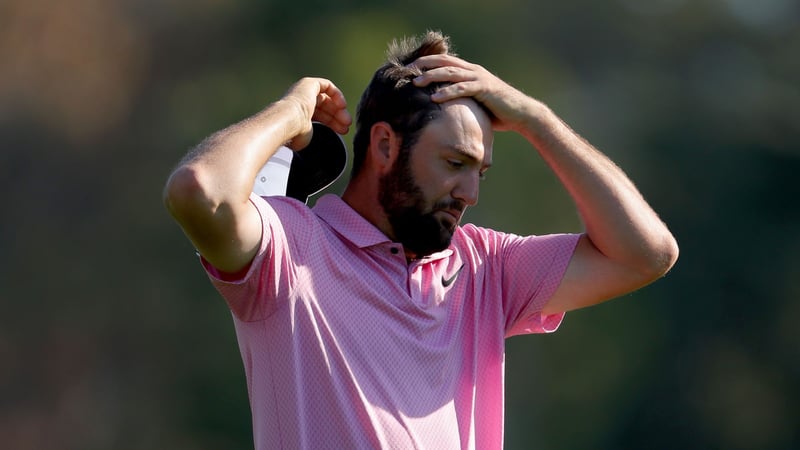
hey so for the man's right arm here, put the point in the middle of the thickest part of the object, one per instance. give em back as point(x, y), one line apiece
point(208, 193)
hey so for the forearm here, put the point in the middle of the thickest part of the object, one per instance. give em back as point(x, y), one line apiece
point(618, 221)
point(225, 164)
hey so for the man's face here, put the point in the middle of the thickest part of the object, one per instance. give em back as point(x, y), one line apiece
point(410, 213)
point(430, 185)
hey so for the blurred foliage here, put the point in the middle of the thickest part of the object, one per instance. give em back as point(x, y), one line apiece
point(111, 336)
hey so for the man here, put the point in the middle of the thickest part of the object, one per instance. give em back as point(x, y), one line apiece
point(374, 320)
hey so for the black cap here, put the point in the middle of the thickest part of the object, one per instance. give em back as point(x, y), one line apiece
point(312, 168)
point(318, 165)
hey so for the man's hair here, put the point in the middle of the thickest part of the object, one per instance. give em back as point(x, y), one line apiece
point(392, 97)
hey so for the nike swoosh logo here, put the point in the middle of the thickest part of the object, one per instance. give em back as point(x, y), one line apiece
point(448, 281)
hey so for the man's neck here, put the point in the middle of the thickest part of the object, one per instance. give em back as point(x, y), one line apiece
point(362, 196)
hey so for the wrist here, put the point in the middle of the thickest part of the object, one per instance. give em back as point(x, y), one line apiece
point(534, 118)
point(290, 116)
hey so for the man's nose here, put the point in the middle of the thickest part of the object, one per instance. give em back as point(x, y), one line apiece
point(467, 189)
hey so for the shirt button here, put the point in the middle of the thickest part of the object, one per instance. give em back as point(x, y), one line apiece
point(395, 250)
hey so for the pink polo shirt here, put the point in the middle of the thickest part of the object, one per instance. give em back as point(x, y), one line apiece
point(347, 346)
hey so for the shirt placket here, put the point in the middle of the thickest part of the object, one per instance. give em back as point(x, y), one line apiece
point(415, 280)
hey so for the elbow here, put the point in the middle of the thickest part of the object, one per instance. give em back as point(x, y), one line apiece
point(663, 257)
point(672, 254)
point(184, 192)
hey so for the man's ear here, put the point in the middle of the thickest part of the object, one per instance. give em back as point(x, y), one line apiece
point(384, 146)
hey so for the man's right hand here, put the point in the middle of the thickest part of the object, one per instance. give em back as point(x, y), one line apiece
point(318, 100)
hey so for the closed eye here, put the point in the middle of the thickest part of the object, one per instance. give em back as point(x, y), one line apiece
point(458, 165)
point(455, 164)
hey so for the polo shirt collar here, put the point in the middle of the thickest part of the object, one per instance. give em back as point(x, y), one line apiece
point(354, 227)
point(347, 222)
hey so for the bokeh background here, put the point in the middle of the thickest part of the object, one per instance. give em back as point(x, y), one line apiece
point(112, 338)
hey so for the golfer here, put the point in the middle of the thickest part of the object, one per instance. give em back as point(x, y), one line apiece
point(376, 319)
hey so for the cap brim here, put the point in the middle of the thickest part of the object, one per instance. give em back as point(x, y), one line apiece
point(318, 165)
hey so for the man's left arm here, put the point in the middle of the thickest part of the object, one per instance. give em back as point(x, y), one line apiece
point(625, 245)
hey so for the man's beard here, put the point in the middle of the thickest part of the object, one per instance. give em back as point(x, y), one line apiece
point(420, 232)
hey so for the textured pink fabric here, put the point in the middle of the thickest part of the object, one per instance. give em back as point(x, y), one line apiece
point(345, 345)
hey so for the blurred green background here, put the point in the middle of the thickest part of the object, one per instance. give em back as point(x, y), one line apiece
point(112, 338)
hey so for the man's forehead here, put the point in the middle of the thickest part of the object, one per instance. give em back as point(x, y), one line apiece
point(467, 102)
point(462, 123)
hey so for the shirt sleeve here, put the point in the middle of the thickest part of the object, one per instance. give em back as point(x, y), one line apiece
point(533, 268)
point(252, 295)
point(523, 273)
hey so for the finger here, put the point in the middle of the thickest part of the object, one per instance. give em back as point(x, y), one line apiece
point(331, 105)
point(344, 118)
point(442, 68)
point(329, 91)
point(433, 61)
point(456, 90)
point(338, 120)
point(447, 74)
point(324, 100)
